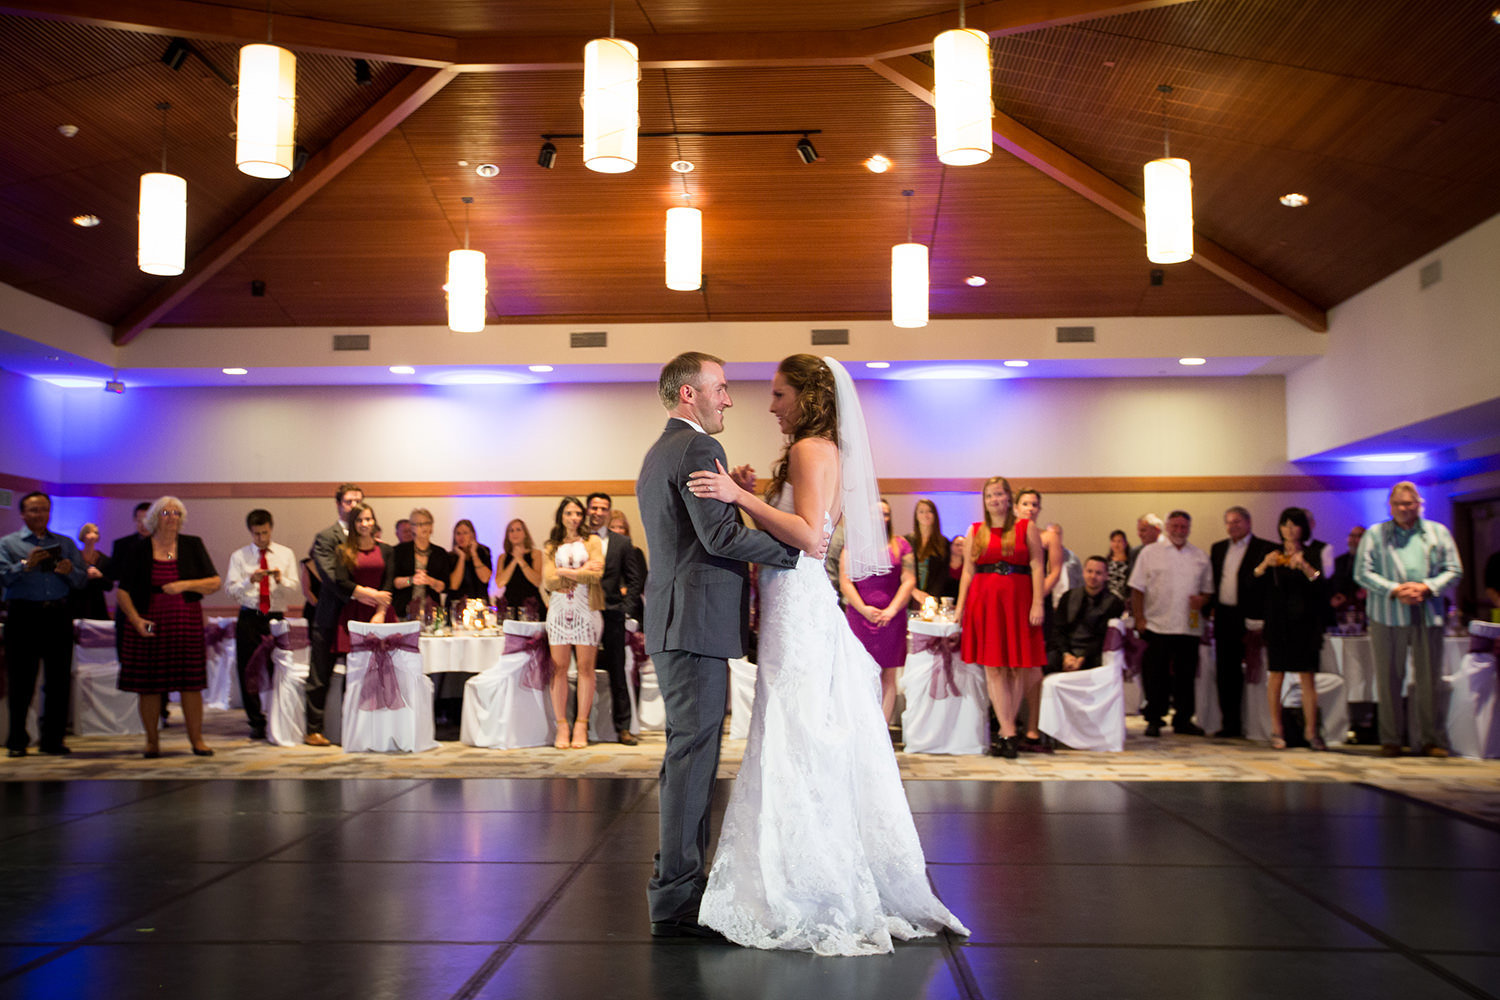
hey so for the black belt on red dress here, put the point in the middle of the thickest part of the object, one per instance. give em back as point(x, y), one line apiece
point(1003, 568)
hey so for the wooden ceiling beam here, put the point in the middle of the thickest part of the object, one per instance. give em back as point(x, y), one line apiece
point(1007, 18)
point(915, 77)
point(241, 26)
point(414, 90)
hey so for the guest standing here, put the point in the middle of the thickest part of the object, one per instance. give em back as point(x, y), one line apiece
point(163, 580)
point(1169, 587)
point(1235, 562)
point(618, 586)
point(573, 564)
point(876, 609)
point(39, 571)
point(88, 600)
point(957, 546)
point(620, 525)
point(323, 636)
point(1055, 575)
point(930, 553)
point(1119, 564)
point(363, 574)
point(469, 579)
point(1000, 606)
point(1293, 601)
point(263, 579)
point(519, 575)
point(421, 571)
point(1405, 565)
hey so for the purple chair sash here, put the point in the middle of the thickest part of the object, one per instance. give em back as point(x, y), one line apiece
point(942, 648)
point(381, 687)
point(1133, 645)
point(1255, 660)
point(1481, 644)
point(537, 674)
point(637, 643)
point(258, 668)
point(91, 636)
point(216, 635)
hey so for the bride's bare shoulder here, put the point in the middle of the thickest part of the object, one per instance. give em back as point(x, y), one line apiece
point(813, 450)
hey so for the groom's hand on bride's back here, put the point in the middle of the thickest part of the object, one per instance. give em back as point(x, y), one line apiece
point(819, 551)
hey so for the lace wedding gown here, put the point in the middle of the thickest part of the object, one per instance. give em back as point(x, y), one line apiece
point(818, 850)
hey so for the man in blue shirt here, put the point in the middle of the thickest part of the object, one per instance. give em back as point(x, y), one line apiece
point(38, 570)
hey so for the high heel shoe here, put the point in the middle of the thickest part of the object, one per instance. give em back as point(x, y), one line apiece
point(1278, 743)
point(580, 742)
point(203, 751)
point(152, 754)
point(561, 742)
point(1315, 741)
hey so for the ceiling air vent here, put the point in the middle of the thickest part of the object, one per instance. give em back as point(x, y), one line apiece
point(6, 496)
point(351, 341)
point(823, 337)
point(1075, 335)
point(1430, 274)
point(592, 338)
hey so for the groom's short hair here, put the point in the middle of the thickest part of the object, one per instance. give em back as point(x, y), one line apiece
point(680, 371)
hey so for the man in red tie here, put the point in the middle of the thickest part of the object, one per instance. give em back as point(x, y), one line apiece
point(263, 578)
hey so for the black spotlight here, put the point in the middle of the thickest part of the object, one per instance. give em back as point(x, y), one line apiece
point(1158, 277)
point(299, 157)
point(177, 52)
point(806, 151)
point(547, 156)
point(258, 288)
point(362, 72)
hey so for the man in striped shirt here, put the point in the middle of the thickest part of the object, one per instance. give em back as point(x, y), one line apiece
point(1405, 565)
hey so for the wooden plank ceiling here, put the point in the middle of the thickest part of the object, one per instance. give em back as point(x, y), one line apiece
point(1384, 112)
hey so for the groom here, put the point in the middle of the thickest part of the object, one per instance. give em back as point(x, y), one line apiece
point(697, 616)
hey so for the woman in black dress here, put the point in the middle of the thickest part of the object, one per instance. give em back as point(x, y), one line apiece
point(421, 571)
point(88, 601)
point(519, 574)
point(1118, 564)
point(1295, 597)
point(929, 552)
point(162, 583)
point(470, 577)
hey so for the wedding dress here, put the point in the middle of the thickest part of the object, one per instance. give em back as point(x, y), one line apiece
point(818, 850)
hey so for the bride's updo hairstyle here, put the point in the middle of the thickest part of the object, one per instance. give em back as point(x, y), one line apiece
point(817, 409)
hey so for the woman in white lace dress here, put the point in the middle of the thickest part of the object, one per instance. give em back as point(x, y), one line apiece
point(572, 566)
point(818, 850)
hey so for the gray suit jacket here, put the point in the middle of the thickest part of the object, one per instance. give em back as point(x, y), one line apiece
point(698, 595)
point(331, 598)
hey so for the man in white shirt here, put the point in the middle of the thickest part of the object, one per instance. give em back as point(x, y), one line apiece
point(263, 579)
point(1169, 585)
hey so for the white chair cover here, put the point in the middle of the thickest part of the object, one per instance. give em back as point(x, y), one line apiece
point(741, 697)
point(650, 710)
point(286, 702)
point(500, 711)
point(1085, 709)
point(100, 708)
point(407, 726)
point(1255, 710)
point(223, 691)
point(1206, 711)
point(936, 719)
point(1473, 712)
point(1333, 704)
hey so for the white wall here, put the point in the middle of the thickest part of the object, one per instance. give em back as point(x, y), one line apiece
point(1397, 354)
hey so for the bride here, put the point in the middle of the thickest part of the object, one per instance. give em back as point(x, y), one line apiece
point(818, 850)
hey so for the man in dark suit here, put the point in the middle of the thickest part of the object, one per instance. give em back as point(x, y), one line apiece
point(1080, 622)
point(117, 551)
point(324, 633)
point(622, 586)
point(1237, 599)
point(697, 617)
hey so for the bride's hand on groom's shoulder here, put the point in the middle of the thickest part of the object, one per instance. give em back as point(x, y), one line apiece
point(715, 485)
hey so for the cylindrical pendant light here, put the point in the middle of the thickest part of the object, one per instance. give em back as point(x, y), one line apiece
point(162, 241)
point(1169, 200)
point(909, 285)
point(684, 249)
point(965, 107)
point(468, 286)
point(611, 116)
point(266, 113)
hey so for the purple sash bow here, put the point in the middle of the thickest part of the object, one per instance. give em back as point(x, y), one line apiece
point(258, 667)
point(381, 688)
point(637, 643)
point(537, 674)
point(215, 635)
point(1133, 645)
point(1255, 661)
point(942, 648)
point(89, 635)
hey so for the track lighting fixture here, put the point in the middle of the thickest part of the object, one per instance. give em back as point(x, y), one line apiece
point(806, 150)
point(547, 156)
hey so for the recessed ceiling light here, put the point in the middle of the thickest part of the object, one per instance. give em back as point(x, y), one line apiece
point(403, 370)
point(877, 364)
point(976, 281)
point(877, 164)
point(1017, 363)
point(487, 170)
point(68, 131)
point(235, 371)
point(1192, 362)
point(683, 166)
point(539, 369)
point(86, 221)
point(463, 163)
point(1293, 199)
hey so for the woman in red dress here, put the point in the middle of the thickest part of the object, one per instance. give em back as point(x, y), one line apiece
point(364, 571)
point(1000, 606)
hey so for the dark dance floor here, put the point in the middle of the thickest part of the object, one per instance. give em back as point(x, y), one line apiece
point(534, 888)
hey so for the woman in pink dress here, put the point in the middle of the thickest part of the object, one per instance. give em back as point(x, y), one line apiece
point(876, 610)
point(363, 572)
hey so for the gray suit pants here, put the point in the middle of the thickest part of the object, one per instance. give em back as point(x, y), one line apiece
point(1390, 645)
point(694, 691)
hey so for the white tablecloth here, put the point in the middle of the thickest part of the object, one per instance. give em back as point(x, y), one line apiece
point(1474, 701)
point(1351, 658)
point(466, 653)
point(956, 724)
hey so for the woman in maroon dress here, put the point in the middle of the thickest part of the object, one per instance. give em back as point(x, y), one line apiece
point(1000, 606)
point(363, 573)
point(877, 610)
point(162, 582)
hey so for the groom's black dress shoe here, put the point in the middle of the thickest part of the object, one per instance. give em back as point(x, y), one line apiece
point(685, 929)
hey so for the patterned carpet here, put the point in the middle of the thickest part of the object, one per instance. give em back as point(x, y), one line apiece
point(1471, 787)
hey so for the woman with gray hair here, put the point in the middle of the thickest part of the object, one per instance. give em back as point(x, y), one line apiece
point(163, 579)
